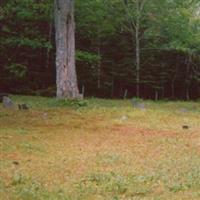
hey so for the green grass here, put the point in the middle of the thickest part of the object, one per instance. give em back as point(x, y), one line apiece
point(99, 149)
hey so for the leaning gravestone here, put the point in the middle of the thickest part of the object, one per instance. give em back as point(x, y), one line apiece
point(7, 102)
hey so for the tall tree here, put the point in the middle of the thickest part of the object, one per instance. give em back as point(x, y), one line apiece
point(66, 79)
point(135, 16)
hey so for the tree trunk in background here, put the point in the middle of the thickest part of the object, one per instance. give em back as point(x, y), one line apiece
point(187, 93)
point(99, 68)
point(156, 95)
point(188, 79)
point(174, 78)
point(137, 40)
point(66, 79)
point(137, 63)
point(48, 50)
point(172, 90)
point(135, 28)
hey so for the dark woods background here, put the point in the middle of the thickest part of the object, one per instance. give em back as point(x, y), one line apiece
point(105, 58)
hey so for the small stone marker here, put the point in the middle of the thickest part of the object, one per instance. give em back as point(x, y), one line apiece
point(7, 102)
point(15, 162)
point(185, 127)
point(124, 118)
point(45, 116)
point(23, 107)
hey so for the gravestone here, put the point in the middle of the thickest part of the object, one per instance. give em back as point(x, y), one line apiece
point(2, 95)
point(7, 102)
point(23, 107)
point(136, 103)
point(184, 110)
point(141, 106)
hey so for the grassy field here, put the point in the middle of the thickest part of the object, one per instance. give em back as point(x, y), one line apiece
point(99, 150)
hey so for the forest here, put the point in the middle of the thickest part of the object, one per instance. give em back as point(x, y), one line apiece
point(99, 100)
point(124, 48)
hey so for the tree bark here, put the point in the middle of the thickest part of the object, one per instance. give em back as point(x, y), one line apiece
point(135, 27)
point(66, 79)
point(187, 93)
point(137, 40)
point(99, 68)
point(188, 79)
point(156, 95)
point(48, 50)
point(174, 78)
point(172, 90)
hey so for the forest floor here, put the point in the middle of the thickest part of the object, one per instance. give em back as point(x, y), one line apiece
point(106, 150)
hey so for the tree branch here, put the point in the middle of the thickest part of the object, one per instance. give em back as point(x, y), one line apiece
point(128, 15)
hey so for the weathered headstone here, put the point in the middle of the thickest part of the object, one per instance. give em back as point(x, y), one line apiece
point(184, 110)
point(2, 95)
point(141, 106)
point(7, 102)
point(136, 103)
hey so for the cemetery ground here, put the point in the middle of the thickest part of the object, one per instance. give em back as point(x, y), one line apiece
point(99, 150)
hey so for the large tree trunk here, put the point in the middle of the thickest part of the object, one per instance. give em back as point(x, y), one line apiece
point(66, 79)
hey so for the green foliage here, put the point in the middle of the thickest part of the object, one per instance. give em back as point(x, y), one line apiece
point(94, 19)
point(26, 42)
point(87, 57)
point(169, 36)
point(17, 70)
point(177, 26)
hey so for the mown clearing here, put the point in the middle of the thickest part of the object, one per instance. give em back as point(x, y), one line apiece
point(104, 151)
